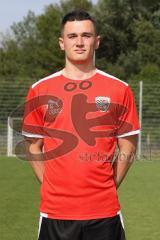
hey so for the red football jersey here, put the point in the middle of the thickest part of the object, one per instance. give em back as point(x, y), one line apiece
point(80, 121)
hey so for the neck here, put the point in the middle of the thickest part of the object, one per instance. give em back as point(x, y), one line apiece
point(79, 71)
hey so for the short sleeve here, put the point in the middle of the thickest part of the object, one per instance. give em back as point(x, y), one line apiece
point(128, 123)
point(33, 118)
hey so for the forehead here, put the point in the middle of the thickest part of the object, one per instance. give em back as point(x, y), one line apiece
point(79, 27)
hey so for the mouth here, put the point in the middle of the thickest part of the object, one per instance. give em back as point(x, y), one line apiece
point(80, 51)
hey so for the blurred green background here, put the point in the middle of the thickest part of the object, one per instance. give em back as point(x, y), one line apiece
point(19, 201)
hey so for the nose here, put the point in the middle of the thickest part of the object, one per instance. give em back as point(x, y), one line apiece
point(79, 41)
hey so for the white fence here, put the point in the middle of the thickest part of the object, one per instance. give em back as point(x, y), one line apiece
point(147, 98)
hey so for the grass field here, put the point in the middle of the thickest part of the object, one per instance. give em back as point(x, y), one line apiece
point(19, 201)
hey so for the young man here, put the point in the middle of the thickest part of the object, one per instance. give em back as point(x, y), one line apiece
point(73, 121)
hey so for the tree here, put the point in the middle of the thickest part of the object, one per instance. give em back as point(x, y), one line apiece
point(129, 30)
point(70, 5)
point(130, 33)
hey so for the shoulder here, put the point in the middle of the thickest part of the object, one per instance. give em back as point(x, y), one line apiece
point(46, 79)
point(112, 79)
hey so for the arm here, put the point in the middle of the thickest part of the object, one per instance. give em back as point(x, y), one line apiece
point(127, 149)
point(33, 148)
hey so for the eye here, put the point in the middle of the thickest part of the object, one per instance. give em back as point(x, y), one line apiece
point(71, 36)
point(87, 35)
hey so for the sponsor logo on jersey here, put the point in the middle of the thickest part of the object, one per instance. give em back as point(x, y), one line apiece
point(54, 106)
point(102, 103)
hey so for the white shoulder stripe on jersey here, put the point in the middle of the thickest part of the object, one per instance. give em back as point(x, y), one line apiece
point(129, 134)
point(32, 135)
point(108, 75)
point(48, 77)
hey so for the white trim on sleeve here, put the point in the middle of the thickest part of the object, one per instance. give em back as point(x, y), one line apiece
point(129, 133)
point(32, 135)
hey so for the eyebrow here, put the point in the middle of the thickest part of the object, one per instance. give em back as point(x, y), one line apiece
point(84, 33)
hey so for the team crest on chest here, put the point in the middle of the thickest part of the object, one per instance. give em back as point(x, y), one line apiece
point(102, 103)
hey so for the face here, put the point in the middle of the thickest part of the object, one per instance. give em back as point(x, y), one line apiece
point(79, 41)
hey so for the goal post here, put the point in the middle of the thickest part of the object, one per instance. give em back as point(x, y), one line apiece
point(13, 134)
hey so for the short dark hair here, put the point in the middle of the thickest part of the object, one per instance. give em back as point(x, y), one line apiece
point(78, 15)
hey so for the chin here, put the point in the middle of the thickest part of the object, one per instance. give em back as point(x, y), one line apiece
point(80, 59)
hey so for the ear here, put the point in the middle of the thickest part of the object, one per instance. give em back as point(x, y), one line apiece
point(97, 42)
point(61, 43)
